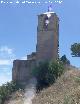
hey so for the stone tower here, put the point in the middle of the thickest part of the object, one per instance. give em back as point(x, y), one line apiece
point(46, 48)
point(47, 37)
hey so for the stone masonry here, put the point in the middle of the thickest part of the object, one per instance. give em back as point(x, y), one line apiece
point(47, 37)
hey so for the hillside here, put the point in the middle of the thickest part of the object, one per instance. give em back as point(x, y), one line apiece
point(66, 90)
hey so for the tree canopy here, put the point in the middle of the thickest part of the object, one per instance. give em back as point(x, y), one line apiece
point(75, 48)
point(65, 60)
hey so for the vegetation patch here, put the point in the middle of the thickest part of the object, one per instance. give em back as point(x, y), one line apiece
point(77, 80)
point(7, 89)
point(47, 72)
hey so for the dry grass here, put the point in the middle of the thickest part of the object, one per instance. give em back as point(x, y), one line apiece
point(66, 90)
point(16, 98)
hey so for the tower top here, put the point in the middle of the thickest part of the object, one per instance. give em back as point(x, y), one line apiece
point(49, 10)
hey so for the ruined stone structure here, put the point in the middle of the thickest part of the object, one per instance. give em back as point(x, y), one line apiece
point(46, 48)
point(22, 69)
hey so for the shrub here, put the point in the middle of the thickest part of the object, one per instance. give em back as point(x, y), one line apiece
point(47, 72)
point(40, 73)
point(77, 80)
point(6, 90)
point(56, 68)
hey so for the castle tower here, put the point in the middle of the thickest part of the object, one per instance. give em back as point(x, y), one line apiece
point(46, 49)
point(47, 37)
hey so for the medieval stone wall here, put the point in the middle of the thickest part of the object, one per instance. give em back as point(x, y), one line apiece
point(22, 70)
point(46, 48)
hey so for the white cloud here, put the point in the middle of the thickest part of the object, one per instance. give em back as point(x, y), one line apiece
point(5, 62)
point(6, 55)
point(5, 74)
point(6, 49)
point(8, 73)
point(4, 68)
point(6, 59)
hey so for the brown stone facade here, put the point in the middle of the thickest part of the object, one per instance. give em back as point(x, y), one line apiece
point(46, 48)
point(22, 70)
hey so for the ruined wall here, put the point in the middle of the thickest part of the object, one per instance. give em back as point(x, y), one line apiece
point(22, 70)
point(46, 49)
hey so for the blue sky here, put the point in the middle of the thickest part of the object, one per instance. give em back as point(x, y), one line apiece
point(18, 31)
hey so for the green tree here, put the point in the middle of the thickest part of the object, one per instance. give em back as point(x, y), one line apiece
point(75, 49)
point(65, 60)
point(56, 68)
